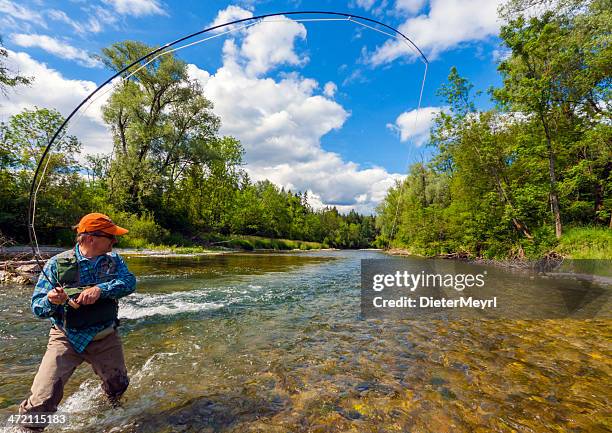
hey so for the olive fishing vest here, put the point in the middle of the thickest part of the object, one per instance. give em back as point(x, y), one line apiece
point(103, 310)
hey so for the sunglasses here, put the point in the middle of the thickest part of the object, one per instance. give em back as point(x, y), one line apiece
point(103, 235)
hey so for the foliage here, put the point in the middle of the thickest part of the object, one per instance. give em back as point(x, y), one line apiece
point(504, 182)
point(586, 243)
point(63, 193)
point(7, 77)
point(171, 179)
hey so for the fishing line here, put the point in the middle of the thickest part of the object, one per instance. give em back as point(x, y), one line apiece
point(34, 186)
point(416, 118)
point(124, 79)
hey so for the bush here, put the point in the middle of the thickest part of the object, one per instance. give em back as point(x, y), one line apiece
point(65, 237)
point(586, 243)
point(176, 239)
point(143, 230)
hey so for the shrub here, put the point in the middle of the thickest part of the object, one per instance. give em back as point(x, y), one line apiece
point(143, 230)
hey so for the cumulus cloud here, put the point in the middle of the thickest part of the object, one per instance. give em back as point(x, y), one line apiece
point(137, 8)
point(271, 43)
point(331, 181)
point(55, 47)
point(51, 89)
point(229, 14)
point(410, 6)
point(278, 121)
point(265, 44)
point(330, 89)
point(448, 24)
point(281, 122)
point(415, 125)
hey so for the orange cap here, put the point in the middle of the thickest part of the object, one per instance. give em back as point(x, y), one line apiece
point(98, 222)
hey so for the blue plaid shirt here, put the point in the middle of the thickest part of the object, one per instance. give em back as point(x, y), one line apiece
point(90, 274)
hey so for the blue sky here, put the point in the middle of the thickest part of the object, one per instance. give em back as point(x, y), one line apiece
point(327, 107)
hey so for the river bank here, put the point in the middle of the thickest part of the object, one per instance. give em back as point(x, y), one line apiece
point(19, 266)
point(580, 243)
point(549, 260)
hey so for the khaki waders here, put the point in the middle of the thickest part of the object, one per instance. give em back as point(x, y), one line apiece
point(105, 354)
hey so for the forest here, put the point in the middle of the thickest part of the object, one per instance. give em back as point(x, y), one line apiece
point(171, 179)
point(531, 175)
point(518, 180)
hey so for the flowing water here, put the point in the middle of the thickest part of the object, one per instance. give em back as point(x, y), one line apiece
point(276, 343)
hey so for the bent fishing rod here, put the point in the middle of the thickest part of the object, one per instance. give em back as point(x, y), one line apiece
point(40, 170)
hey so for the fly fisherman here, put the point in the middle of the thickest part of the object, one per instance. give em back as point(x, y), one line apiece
point(84, 325)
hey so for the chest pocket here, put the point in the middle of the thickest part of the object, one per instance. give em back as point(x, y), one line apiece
point(106, 270)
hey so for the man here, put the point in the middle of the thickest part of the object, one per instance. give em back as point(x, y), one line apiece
point(84, 327)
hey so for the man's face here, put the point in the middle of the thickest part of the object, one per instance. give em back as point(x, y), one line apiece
point(101, 243)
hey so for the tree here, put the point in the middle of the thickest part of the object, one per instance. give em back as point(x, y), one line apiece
point(62, 196)
point(557, 75)
point(162, 125)
point(7, 77)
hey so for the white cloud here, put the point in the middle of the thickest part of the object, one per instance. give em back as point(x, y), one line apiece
point(271, 43)
point(8, 22)
point(281, 122)
point(229, 14)
point(501, 54)
point(55, 47)
point(448, 24)
point(137, 8)
point(92, 25)
point(331, 182)
point(410, 6)
point(330, 89)
point(277, 120)
point(365, 4)
point(102, 15)
point(51, 89)
point(21, 13)
point(415, 125)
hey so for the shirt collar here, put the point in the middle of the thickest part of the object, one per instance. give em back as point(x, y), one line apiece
point(80, 257)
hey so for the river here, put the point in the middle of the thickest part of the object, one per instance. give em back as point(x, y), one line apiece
point(276, 343)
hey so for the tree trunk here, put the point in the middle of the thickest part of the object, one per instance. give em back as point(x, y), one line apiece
point(554, 196)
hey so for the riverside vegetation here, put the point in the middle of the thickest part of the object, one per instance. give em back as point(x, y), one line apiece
point(526, 178)
point(532, 174)
point(171, 179)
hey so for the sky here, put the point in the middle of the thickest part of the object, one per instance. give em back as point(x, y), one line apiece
point(327, 107)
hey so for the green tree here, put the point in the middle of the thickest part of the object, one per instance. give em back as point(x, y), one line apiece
point(62, 196)
point(162, 125)
point(558, 76)
point(9, 78)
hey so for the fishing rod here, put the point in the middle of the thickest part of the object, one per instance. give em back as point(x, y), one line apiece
point(41, 169)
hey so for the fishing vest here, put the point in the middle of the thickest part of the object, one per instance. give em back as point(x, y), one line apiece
point(103, 310)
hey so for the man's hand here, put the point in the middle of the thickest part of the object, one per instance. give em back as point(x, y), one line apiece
point(57, 296)
point(89, 296)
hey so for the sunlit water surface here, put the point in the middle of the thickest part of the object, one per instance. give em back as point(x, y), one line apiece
point(275, 343)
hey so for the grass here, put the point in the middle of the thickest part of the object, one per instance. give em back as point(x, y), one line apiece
point(586, 243)
point(251, 243)
point(240, 242)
